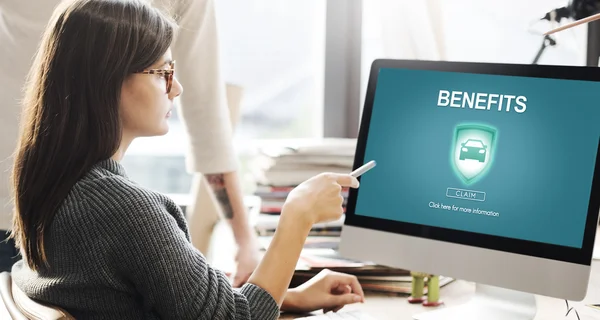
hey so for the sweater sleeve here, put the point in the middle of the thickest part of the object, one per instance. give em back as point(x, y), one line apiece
point(203, 103)
point(152, 252)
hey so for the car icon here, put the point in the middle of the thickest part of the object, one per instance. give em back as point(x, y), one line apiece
point(473, 149)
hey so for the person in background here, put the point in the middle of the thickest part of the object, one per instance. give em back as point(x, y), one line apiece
point(203, 108)
point(206, 117)
point(99, 245)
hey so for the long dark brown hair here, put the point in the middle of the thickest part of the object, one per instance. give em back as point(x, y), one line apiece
point(71, 117)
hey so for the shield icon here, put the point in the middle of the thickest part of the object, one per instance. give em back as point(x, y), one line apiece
point(473, 149)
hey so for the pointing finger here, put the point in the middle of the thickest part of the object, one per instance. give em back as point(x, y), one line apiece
point(346, 180)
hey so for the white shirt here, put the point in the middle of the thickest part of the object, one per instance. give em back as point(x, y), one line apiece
point(203, 106)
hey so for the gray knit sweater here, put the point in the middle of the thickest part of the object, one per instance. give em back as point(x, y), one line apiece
point(120, 251)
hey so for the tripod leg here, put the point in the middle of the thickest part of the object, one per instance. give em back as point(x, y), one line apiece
point(548, 41)
point(539, 53)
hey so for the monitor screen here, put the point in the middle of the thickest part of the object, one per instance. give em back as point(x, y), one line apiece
point(493, 154)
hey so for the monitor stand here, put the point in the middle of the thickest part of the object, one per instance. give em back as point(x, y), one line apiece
point(490, 303)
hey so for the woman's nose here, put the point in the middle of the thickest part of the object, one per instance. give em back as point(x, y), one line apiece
point(176, 89)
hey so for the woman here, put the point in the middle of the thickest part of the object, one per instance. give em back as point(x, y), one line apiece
point(97, 244)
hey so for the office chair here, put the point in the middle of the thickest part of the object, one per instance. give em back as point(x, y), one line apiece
point(18, 306)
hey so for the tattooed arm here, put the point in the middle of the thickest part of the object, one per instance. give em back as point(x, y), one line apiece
point(226, 189)
point(228, 192)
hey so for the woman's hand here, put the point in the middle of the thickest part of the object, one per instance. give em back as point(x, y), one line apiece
point(328, 290)
point(247, 259)
point(319, 199)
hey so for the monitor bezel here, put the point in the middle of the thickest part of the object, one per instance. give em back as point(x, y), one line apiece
point(581, 256)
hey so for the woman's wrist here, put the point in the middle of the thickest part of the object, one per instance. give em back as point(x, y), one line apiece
point(290, 302)
point(298, 216)
point(245, 236)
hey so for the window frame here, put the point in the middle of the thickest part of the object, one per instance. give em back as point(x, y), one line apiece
point(343, 50)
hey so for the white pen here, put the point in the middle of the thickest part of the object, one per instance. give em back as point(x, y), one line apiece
point(364, 168)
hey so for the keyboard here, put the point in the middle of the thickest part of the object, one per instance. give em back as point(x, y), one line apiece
point(342, 315)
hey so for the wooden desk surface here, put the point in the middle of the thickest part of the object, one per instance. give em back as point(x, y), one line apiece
point(457, 292)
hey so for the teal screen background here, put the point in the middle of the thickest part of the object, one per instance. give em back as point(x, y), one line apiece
point(539, 181)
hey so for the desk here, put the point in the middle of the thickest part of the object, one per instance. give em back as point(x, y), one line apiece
point(386, 307)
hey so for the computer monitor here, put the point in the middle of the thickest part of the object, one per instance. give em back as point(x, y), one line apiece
point(486, 173)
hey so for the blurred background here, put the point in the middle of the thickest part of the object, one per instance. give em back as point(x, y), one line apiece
point(303, 64)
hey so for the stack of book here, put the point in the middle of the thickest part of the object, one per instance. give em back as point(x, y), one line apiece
point(372, 278)
point(321, 253)
point(266, 224)
point(281, 165)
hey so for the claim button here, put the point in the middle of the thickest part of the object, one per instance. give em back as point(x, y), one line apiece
point(465, 194)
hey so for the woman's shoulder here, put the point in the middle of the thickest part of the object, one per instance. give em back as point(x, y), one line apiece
point(110, 191)
point(109, 203)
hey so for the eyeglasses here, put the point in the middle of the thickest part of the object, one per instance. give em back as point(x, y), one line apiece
point(167, 73)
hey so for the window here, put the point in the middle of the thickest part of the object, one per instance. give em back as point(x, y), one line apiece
point(274, 50)
point(507, 31)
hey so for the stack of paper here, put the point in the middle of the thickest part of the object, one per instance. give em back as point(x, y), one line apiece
point(321, 253)
point(282, 165)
